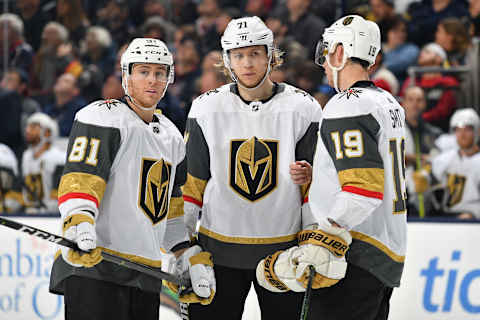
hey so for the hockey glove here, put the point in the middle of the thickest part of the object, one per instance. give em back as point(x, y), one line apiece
point(80, 228)
point(198, 266)
point(420, 179)
point(325, 250)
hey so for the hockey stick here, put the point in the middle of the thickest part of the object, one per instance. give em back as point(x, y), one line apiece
point(308, 295)
point(153, 272)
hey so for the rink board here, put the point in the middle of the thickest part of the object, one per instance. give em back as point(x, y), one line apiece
point(441, 280)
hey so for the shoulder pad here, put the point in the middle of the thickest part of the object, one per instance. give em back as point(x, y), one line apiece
point(106, 113)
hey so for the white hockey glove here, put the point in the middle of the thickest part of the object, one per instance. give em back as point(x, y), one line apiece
point(198, 266)
point(323, 249)
point(81, 229)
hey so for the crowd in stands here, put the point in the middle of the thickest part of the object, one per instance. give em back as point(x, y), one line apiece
point(58, 56)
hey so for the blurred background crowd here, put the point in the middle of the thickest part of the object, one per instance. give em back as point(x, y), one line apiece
point(58, 56)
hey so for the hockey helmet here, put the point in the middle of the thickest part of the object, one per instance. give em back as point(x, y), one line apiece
point(45, 123)
point(145, 50)
point(360, 39)
point(466, 117)
point(246, 32)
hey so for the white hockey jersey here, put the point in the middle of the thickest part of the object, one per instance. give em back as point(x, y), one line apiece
point(238, 155)
point(359, 177)
point(10, 198)
point(127, 174)
point(41, 176)
point(460, 177)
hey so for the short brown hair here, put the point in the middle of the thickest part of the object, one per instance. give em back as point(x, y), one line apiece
point(455, 28)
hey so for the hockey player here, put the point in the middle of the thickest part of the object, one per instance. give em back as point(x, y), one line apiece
point(120, 192)
point(457, 172)
point(10, 196)
point(241, 139)
point(42, 165)
point(357, 191)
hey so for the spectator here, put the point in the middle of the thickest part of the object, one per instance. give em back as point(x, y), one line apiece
point(112, 89)
point(67, 103)
point(42, 165)
point(17, 80)
point(19, 53)
point(439, 88)
point(158, 28)
point(303, 25)
point(99, 50)
point(308, 76)
point(474, 10)
point(398, 54)
point(210, 80)
point(187, 70)
point(211, 59)
point(257, 8)
point(419, 144)
point(453, 37)
point(10, 129)
point(35, 16)
point(70, 13)
point(425, 16)
point(208, 11)
point(211, 40)
point(54, 57)
point(382, 12)
point(115, 16)
point(184, 12)
point(457, 171)
point(170, 108)
point(382, 77)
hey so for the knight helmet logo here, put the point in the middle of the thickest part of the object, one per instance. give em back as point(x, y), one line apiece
point(154, 188)
point(253, 167)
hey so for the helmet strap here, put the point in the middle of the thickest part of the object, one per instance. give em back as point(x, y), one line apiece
point(239, 83)
point(335, 70)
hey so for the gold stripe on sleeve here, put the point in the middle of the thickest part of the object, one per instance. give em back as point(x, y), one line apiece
point(194, 188)
point(176, 208)
point(370, 179)
point(79, 182)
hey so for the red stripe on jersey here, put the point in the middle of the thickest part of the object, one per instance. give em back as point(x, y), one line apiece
point(192, 200)
point(77, 195)
point(305, 200)
point(363, 192)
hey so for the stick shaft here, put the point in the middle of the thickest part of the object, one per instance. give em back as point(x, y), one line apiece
point(105, 255)
point(308, 295)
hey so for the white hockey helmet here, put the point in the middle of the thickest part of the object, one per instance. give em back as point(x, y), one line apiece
point(145, 50)
point(360, 39)
point(466, 117)
point(246, 32)
point(45, 123)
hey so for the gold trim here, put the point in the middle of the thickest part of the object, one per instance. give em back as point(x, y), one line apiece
point(245, 240)
point(176, 208)
point(82, 183)
point(365, 178)
point(363, 237)
point(76, 219)
point(131, 257)
point(194, 188)
point(304, 189)
point(203, 257)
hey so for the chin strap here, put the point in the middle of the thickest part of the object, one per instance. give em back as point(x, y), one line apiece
point(235, 79)
point(336, 70)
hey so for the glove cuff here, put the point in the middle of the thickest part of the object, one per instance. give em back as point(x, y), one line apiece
point(269, 272)
point(203, 257)
point(76, 219)
point(335, 244)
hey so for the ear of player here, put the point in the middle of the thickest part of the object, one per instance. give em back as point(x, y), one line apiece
point(80, 228)
point(198, 266)
point(324, 249)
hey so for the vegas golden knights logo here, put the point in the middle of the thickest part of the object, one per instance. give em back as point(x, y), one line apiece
point(34, 184)
point(253, 167)
point(154, 185)
point(455, 185)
